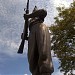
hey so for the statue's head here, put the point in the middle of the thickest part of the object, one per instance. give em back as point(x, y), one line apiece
point(42, 15)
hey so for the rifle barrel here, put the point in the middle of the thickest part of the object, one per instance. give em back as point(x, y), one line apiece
point(25, 32)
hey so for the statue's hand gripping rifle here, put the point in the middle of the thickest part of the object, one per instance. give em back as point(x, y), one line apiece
point(25, 31)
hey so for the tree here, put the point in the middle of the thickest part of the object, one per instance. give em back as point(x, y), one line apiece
point(63, 40)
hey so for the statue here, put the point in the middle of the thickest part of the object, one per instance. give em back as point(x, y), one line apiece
point(39, 54)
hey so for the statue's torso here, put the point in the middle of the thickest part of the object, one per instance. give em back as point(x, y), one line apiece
point(39, 46)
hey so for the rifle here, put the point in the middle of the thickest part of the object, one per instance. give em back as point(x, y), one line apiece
point(25, 31)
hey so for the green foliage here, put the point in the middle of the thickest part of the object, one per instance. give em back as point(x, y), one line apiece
point(63, 40)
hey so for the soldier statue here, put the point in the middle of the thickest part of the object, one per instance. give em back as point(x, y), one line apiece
point(39, 54)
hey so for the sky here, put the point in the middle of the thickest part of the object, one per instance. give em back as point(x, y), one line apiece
point(11, 27)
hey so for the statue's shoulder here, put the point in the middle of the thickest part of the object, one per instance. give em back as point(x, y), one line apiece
point(43, 26)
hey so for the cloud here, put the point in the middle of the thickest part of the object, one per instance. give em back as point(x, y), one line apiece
point(11, 21)
point(74, 72)
point(9, 43)
point(11, 26)
point(66, 3)
point(10, 48)
point(25, 74)
point(2, 10)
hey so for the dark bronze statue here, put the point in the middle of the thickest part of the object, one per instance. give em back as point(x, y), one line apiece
point(39, 54)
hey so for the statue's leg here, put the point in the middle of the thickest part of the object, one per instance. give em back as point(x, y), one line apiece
point(43, 42)
point(36, 72)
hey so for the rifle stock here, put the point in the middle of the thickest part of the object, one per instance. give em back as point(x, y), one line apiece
point(21, 47)
point(25, 32)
